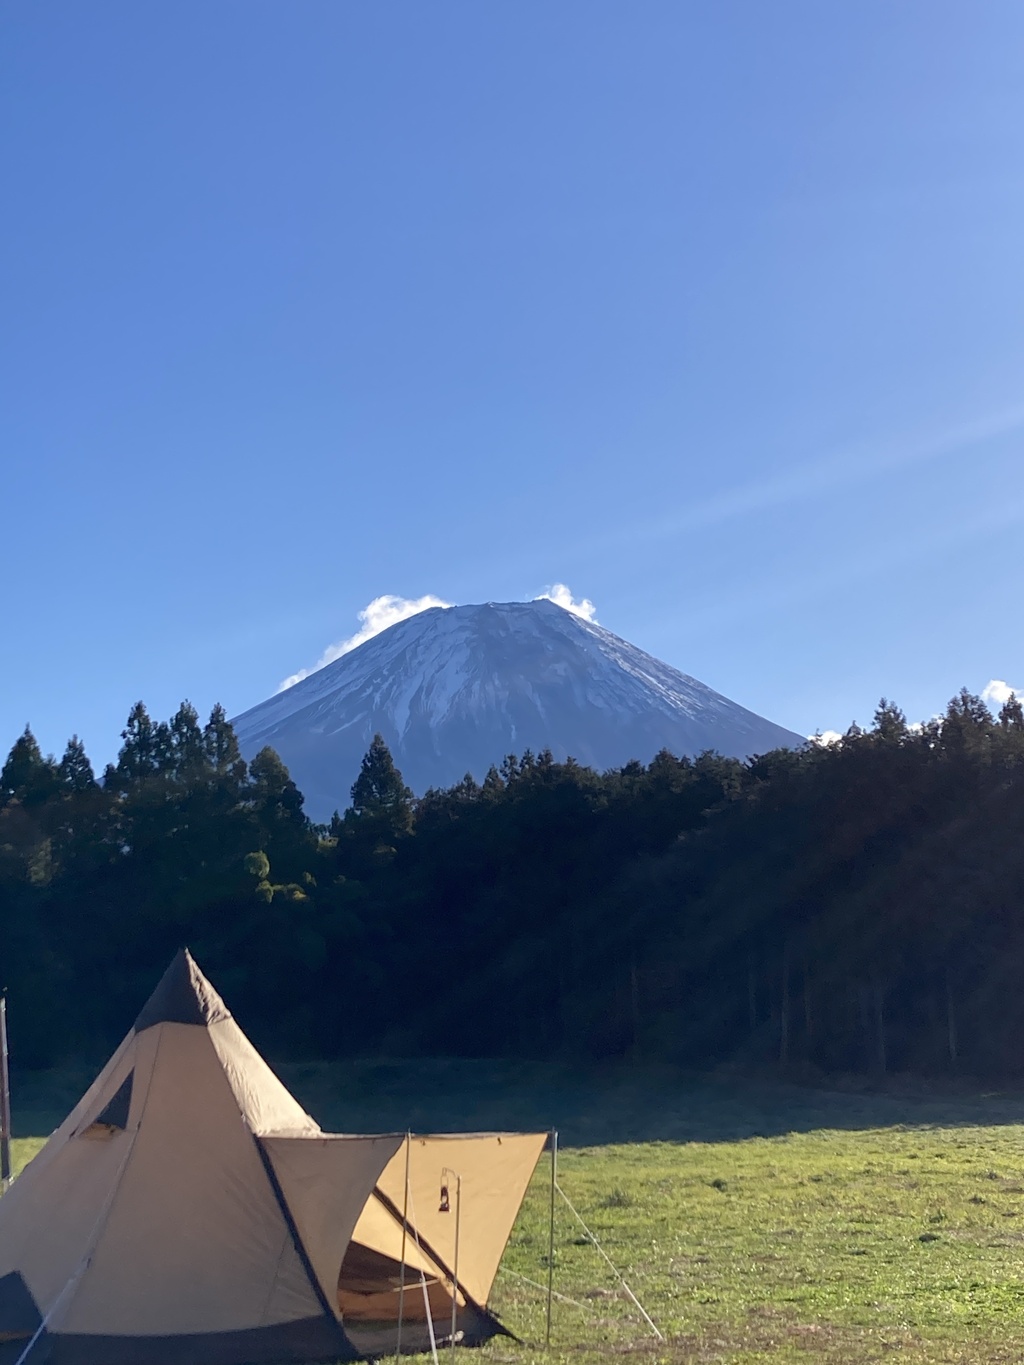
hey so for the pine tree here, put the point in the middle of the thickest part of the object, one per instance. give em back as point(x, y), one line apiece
point(187, 745)
point(493, 784)
point(967, 724)
point(27, 776)
point(1011, 714)
point(75, 771)
point(890, 724)
point(276, 804)
point(221, 746)
point(379, 791)
point(140, 753)
point(273, 791)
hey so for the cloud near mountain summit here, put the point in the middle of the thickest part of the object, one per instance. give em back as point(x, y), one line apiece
point(562, 597)
point(376, 616)
point(389, 609)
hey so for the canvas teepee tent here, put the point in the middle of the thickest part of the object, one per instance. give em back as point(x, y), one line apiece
point(189, 1211)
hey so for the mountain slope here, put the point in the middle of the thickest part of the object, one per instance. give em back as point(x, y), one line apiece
point(454, 689)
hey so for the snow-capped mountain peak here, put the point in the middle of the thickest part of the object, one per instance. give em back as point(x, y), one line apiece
point(454, 689)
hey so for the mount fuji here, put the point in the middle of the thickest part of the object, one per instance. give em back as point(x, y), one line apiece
point(455, 689)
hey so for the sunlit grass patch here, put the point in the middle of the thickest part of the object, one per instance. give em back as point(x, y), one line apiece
point(828, 1245)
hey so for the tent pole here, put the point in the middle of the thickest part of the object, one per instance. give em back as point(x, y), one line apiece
point(455, 1266)
point(430, 1319)
point(405, 1228)
point(551, 1229)
point(446, 1174)
point(5, 1099)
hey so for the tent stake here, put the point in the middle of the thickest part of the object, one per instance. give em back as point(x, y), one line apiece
point(405, 1227)
point(5, 1099)
point(551, 1229)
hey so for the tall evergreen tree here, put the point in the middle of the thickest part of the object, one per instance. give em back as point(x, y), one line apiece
point(1011, 714)
point(140, 754)
point(275, 796)
point(187, 744)
point(379, 793)
point(75, 771)
point(890, 724)
point(967, 723)
point(28, 777)
point(276, 804)
point(221, 746)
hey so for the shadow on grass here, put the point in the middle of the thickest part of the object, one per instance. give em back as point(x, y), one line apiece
point(589, 1107)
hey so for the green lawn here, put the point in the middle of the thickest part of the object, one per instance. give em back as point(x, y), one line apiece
point(755, 1223)
point(827, 1245)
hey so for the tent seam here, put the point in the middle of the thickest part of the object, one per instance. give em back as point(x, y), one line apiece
point(105, 1218)
point(297, 1242)
point(423, 1245)
point(285, 1242)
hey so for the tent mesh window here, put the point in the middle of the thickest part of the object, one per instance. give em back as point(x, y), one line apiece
point(113, 1117)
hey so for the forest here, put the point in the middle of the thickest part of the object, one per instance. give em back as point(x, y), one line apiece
point(855, 907)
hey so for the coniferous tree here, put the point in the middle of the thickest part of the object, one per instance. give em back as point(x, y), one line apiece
point(28, 777)
point(221, 747)
point(188, 748)
point(967, 724)
point(379, 795)
point(276, 804)
point(75, 771)
point(890, 724)
point(275, 796)
point(492, 782)
point(140, 754)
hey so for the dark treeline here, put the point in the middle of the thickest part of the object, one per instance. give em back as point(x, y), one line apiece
point(853, 907)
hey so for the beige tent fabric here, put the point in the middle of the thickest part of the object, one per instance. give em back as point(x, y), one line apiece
point(326, 1180)
point(195, 1240)
point(268, 1106)
point(495, 1170)
point(379, 1230)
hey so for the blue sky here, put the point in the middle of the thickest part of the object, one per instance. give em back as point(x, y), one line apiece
point(712, 312)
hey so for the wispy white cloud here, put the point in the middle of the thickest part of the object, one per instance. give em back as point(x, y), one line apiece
point(562, 597)
point(376, 616)
point(740, 601)
point(998, 692)
point(821, 477)
point(823, 738)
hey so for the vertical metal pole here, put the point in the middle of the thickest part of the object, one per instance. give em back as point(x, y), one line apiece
point(405, 1232)
point(455, 1267)
point(5, 1099)
point(551, 1229)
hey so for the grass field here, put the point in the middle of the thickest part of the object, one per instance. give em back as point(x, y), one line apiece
point(755, 1223)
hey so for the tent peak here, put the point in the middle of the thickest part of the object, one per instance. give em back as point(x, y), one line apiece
point(183, 996)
